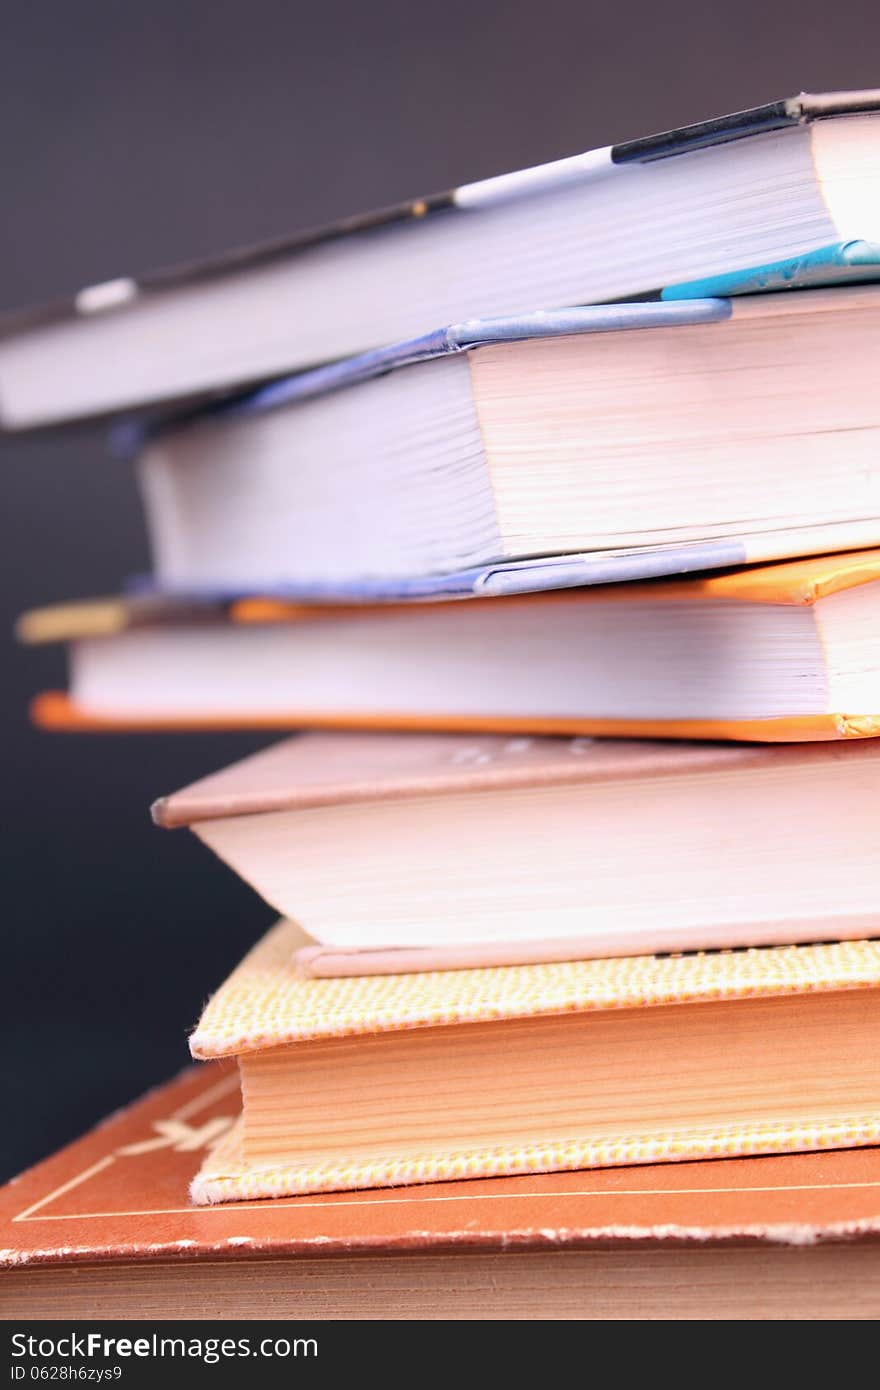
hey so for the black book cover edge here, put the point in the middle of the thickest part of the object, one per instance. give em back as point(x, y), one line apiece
point(756, 120)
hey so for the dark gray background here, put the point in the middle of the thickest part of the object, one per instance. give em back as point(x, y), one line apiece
point(134, 136)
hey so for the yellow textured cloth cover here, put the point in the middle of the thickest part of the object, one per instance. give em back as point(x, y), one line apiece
point(226, 1176)
point(267, 1003)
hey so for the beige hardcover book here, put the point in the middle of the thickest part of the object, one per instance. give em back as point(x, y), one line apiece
point(407, 852)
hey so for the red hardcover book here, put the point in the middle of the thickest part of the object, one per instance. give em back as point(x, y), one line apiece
point(105, 1229)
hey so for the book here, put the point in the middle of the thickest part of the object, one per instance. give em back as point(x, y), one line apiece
point(496, 850)
point(744, 190)
point(776, 652)
point(377, 1081)
point(105, 1229)
point(590, 444)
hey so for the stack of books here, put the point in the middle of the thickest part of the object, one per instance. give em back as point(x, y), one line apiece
point(573, 607)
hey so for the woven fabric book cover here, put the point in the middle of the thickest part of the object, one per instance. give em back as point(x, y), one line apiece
point(267, 1006)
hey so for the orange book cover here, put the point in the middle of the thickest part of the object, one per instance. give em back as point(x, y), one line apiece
point(793, 583)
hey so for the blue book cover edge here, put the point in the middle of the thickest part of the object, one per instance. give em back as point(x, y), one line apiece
point(504, 577)
point(843, 262)
point(129, 436)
